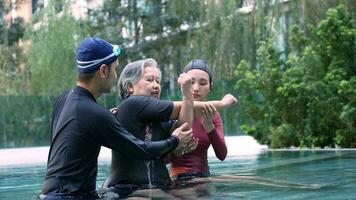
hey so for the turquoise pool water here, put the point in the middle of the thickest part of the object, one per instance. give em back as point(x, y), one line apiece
point(323, 174)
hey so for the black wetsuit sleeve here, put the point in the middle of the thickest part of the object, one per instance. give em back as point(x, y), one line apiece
point(114, 136)
point(145, 109)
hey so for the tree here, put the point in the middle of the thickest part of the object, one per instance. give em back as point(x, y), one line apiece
point(11, 55)
point(308, 98)
point(51, 56)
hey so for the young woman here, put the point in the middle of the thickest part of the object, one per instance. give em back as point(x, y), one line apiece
point(148, 118)
point(208, 128)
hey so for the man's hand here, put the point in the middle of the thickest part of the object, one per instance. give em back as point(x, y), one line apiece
point(185, 82)
point(191, 146)
point(228, 100)
point(187, 143)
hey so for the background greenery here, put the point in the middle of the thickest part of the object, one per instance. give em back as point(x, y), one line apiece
point(290, 63)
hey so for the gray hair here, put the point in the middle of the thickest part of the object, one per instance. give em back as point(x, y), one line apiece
point(132, 73)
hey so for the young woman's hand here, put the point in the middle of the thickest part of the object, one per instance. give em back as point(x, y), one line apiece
point(208, 114)
point(185, 82)
point(228, 100)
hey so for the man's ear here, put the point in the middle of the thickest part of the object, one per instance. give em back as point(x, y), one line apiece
point(103, 71)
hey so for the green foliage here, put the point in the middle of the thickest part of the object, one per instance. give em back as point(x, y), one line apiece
point(12, 76)
point(284, 135)
point(51, 57)
point(21, 128)
point(13, 33)
point(11, 55)
point(307, 99)
point(105, 22)
point(282, 85)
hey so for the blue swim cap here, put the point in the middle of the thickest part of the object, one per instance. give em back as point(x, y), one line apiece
point(93, 52)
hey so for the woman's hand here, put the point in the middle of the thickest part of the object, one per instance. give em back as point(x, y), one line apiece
point(113, 110)
point(228, 100)
point(208, 114)
point(185, 82)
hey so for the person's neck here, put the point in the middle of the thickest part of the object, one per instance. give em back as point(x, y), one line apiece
point(90, 88)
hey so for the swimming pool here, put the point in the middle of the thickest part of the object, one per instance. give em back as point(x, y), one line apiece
point(272, 174)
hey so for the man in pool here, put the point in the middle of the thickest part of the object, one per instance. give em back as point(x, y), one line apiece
point(80, 127)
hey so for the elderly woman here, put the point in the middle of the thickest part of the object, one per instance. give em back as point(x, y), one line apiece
point(149, 118)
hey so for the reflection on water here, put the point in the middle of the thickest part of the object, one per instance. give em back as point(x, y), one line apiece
point(270, 175)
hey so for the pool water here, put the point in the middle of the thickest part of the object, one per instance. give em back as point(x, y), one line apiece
point(279, 174)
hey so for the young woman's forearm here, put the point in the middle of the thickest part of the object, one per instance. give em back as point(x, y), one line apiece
point(183, 112)
point(198, 106)
point(186, 113)
point(226, 101)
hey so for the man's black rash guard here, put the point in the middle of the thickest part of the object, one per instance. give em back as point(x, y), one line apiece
point(79, 127)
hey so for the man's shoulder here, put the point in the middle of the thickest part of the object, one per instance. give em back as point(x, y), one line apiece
point(87, 106)
point(62, 96)
point(93, 113)
point(60, 100)
point(91, 107)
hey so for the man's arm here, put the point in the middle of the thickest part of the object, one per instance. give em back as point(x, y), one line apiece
point(116, 137)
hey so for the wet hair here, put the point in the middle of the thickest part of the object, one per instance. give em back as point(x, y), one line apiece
point(131, 74)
